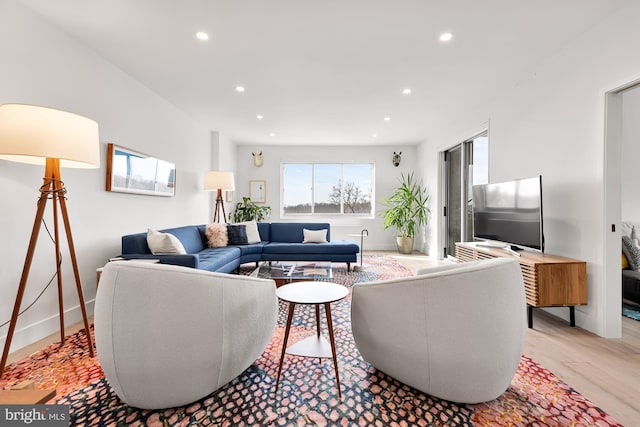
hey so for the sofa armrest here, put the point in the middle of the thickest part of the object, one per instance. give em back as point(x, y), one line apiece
point(185, 260)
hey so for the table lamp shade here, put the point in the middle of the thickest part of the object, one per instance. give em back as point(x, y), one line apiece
point(219, 180)
point(31, 134)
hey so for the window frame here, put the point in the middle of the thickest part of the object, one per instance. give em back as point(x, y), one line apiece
point(335, 215)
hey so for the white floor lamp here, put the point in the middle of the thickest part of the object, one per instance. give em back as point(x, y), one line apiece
point(54, 138)
point(219, 181)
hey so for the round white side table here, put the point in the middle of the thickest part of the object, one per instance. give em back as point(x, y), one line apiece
point(315, 345)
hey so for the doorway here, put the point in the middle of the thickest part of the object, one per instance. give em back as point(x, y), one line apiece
point(611, 319)
point(464, 165)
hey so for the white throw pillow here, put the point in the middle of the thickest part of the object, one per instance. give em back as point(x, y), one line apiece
point(164, 243)
point(253, 235)
point(314, 236)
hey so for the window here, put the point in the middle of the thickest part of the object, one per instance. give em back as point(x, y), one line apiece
point(327, 189)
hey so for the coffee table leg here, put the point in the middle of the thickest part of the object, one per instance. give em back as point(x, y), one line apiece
point(327, 312)
point(292, 306)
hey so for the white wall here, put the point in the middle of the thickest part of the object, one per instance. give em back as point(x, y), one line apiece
point(387, 177)
point(631, 155)
point(551, 122)
point(223, 158)
point(42, 65)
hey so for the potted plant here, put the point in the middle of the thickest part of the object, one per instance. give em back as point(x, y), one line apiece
point(406, 210)
point(249, 211)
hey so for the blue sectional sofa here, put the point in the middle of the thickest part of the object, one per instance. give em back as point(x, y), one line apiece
point(281, 241)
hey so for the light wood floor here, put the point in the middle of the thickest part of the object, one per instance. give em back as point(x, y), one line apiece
point(605, 371)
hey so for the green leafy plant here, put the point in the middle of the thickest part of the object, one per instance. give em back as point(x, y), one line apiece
point(406, 209)
point(249, 211)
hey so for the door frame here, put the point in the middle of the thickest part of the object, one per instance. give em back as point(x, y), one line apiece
point(444, 189)
point(446, 206)
point(610, 296)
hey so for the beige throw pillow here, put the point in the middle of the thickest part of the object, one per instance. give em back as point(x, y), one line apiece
point(164, 243)
point(314, 236)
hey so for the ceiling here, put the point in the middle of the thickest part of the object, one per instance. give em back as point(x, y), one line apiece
point(325, 71)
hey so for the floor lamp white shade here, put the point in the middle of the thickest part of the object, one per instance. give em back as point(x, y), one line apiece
point(219, 180)
point(31, 134)
point(55, 139)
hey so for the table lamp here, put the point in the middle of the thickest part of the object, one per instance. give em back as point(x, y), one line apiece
point(219, 180)
point(54, 138)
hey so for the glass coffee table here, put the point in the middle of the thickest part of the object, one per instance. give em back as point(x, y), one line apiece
point(283, 272)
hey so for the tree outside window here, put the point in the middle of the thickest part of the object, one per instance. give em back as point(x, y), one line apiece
point(327, 189)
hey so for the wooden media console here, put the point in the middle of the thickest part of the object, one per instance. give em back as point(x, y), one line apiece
point(549, 280)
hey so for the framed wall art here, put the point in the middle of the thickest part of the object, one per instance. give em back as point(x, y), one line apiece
point(129, 171)
point(258, 191)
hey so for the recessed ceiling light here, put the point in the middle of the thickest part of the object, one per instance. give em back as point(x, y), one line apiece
point(375, 135)
point(406, 91)
point(259, 117)
point(239, 88)
point(202, 35)
point(445, 37)
point(386, 119)
point(272, 134)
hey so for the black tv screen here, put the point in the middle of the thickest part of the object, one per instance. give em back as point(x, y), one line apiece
point(509, 212)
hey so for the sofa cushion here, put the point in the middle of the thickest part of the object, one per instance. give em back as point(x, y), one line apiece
point(213, 259)
point(189, 237)
point(264, 228)
point(292, 232)
point(135, 244)
point(255, 248)
point(336, 247)
point(631, 285)
point(631, 275)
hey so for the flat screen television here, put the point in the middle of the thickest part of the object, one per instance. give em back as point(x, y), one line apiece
point(509, 213)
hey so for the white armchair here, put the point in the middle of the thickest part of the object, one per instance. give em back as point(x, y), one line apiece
point(454, 332)
point(167, 335)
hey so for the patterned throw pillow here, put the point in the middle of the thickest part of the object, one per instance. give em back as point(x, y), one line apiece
point(237, 234)
point(631, 250)
point(625, 262)
point(216, 235)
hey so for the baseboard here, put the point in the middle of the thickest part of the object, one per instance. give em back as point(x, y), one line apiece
point(26, 335)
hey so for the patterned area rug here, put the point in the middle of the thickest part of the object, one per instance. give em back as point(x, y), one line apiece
point(631, 310)
point(307, 394)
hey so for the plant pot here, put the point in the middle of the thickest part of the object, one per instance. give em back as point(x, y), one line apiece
point(404, 244)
